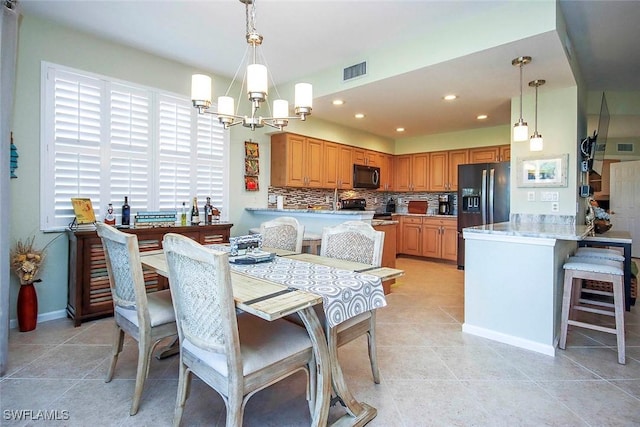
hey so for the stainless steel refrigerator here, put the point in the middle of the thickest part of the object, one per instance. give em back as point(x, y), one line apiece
point(483, 197)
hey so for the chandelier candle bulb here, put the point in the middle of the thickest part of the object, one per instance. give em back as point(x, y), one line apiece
point(225, 106)
point(257, 80)
point(201, 88)
point(280, 109)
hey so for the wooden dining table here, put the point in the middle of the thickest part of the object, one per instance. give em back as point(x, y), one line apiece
point(270, 300)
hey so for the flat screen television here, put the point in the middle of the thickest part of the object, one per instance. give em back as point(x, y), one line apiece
point(593, 147)
point(599, 140)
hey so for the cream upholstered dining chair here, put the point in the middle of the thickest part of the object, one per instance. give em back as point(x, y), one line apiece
point(147, 318)
point(284, 232)
point(354, 241)
point(236, 355)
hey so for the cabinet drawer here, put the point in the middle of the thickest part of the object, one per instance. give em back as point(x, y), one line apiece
point(412, 220)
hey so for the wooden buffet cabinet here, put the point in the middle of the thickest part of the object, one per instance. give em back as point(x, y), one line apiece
point(89, 293)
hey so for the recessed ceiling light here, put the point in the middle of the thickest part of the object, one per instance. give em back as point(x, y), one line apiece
point(338, 102)
point(482, 116)
point(450, 97)
point(359, 116)
point(399, 129)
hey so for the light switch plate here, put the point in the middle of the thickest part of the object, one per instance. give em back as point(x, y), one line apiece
point(531, 196)
point(272, 198)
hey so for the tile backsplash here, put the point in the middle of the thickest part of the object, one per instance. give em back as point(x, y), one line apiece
point(375, 200)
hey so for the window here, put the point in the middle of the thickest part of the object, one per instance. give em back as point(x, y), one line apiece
point(107, 139)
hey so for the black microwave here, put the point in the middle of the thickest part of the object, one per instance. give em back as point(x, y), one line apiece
point(366, 176)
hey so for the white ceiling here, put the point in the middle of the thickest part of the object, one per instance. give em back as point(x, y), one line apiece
point(305, 37)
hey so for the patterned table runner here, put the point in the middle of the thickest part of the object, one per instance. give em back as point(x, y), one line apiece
point(345, 294)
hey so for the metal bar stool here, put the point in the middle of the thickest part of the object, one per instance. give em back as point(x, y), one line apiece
point(580, 268)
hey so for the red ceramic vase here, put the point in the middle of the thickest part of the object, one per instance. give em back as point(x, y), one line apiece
point(27, 308)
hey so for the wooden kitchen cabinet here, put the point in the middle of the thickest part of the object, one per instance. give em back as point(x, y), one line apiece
point(432, 237)
point(385, 163)
point(297, 161)
point(491, 154)
point(443, 169)
point(389, 251)
point(338, 166)
point(362, 156)
point(411, 172)
point(89, 293)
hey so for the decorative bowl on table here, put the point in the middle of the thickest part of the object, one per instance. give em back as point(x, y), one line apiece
point(601, 226)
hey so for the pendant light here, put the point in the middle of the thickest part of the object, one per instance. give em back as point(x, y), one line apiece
point(535, 143)
point(520, 129)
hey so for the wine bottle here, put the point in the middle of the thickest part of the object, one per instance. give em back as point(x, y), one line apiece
point(110, 218)
point(183, 216)
point(195, 213)
point(208, 212)
point(126, 211)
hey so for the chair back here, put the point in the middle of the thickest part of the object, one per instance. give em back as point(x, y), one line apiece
point(202, 296)
point(282, 233)
point(122, 257)
point(353, 241)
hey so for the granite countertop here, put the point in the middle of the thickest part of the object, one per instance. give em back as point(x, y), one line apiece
point(375, 222)
point(427, 215)
point(531, 229)
point(311, 210)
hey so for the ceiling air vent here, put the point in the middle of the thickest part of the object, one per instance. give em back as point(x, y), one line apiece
point(625, 148)
point(354, 71)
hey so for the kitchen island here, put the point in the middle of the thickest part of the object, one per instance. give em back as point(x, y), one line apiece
point(514, 281)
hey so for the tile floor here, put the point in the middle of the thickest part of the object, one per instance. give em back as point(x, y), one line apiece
point(432, 373)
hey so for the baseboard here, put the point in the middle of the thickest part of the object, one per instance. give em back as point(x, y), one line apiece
point(44, 317)
point(549, 350)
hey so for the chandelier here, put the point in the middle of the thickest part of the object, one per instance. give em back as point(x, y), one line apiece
point(256, 89)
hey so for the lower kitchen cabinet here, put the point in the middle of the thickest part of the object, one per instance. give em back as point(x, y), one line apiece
point(89, 293)
point(432, 237)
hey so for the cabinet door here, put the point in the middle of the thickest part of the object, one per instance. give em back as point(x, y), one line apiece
point(431, 241)
point(411, 239)
point(505, 153)
point(438, 171)
point(314, 162)
point(420, 172)
point(449, 249)
point(331, 165)
point(402, 172)
point(456, 158)
point(484, 155)
point(296, 173)
point(385, 163)
point(345, 167)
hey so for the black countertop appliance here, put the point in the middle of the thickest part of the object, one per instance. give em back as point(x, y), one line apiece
point(391, 205)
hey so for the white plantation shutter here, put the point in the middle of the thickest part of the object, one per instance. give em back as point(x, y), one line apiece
point(130, 146)
point(174, 141)
point(211, 160)
point(106, 140)
point(73, 140)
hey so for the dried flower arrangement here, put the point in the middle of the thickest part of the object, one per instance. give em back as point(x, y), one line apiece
point(26, 260)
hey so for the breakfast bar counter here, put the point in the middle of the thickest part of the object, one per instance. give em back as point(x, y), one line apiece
point(514, 281)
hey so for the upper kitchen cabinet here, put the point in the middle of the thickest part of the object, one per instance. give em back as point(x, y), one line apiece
point(385, 163)
point(338, 166)
point(443, 169)
point(411, 172)
point(362, 156)
point(496, 153)
point(296, 161)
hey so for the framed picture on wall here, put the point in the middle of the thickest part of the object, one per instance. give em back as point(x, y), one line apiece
point(251, 166)
point(543, 171)
point(251, 183)
point(251, 150)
